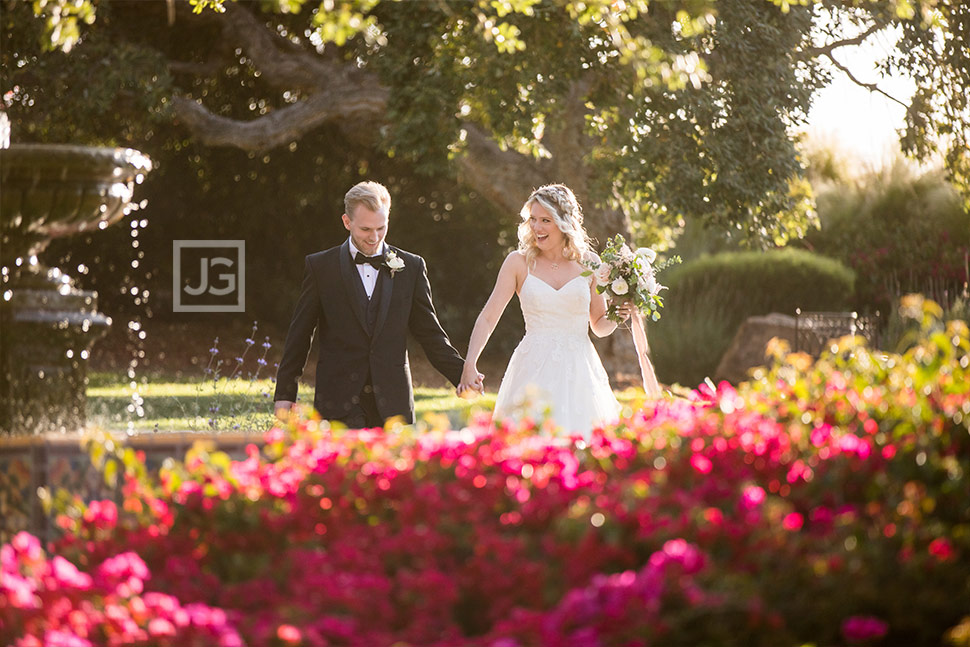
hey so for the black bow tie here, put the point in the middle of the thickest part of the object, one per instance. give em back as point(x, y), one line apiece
point(374, 261)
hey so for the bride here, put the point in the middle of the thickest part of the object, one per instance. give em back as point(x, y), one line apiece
point(555, 368)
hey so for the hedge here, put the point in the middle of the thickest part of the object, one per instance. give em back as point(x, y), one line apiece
point(708, 299)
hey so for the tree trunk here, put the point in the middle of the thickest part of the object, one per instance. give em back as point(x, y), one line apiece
point(341, 93)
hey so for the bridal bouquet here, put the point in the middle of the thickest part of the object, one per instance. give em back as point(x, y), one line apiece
point(627, 275)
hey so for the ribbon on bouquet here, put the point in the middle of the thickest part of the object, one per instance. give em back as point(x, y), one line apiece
point(650, 384)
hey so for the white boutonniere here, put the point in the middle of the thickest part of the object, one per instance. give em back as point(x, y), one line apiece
point(393, 263)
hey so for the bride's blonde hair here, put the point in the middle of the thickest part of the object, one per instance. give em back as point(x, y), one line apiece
point(562, 205)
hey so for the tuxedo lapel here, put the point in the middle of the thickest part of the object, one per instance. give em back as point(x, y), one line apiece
point(352, 283)
point(385, 285)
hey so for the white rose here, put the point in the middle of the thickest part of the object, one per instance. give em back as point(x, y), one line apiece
point(647, 254)
point(602, 274)
point(394, 262)
point(619, 287)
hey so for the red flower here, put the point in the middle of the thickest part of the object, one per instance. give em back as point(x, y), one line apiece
point(942, 549)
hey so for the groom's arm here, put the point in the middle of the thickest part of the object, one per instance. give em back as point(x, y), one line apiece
point(298, 338)
point(426, 328)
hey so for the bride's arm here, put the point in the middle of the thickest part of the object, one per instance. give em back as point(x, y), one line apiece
point(505, 286)
point(600, 324)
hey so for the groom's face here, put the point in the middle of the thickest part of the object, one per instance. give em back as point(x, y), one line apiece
point(367, 228)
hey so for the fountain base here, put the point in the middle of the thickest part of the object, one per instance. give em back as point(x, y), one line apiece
point(48, 329)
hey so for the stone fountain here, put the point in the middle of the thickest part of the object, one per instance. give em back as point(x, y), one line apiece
point(47, 325)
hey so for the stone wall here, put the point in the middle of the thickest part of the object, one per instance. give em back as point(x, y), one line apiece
point(59, 461)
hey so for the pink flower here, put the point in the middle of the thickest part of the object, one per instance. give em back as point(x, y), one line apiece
point(19, 592)
point(752, 497)
point(54, 638)
point(941, 549)
point(161, 627)
point(8, 559)
point(714, 516)
point(861, 629)
point(793, 521)
point(66, 574)
point(701, 463)
point(27, 545)
point(103, 514)
point(123, 566)
point(687, 555)
point(288, 634)
point(821, 434)
point(822, 516)
point(852, 444)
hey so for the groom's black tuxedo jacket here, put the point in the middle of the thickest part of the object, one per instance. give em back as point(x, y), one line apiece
point(333, 302)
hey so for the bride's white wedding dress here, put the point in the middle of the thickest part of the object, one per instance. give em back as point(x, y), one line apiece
point(555, 370)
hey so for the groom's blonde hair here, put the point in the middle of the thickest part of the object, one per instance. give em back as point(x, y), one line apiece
point(562, 205)
point(372, 195)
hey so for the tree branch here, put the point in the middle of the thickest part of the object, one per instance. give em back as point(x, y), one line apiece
point(357, 108)
point(826, 50)
point(281, 63)
point(872, 87)
point(504, 177)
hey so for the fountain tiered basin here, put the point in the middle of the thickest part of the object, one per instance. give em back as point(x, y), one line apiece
point(47, 324)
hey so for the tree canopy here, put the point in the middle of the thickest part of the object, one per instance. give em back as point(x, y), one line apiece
point(655, 112)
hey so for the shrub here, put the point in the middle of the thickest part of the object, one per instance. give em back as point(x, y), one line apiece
point(821, 503)
point(900, 232)
point(711, 296)
point(687, 343)
point(50, 602)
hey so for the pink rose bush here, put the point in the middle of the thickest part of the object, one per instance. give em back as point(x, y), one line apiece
point(50, 603)
point(820, 503)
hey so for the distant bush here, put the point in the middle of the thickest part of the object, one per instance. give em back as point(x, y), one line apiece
point(900, 232)
point(710, 297)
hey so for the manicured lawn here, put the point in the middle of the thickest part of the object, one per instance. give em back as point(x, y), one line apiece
point(170, 404)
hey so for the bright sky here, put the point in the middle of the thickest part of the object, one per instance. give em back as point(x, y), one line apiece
point(854, 120)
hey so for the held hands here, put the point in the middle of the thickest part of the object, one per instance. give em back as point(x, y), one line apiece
point(282, 409)
point(472, 384)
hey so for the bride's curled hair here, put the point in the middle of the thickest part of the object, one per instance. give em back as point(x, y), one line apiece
point(562, 205)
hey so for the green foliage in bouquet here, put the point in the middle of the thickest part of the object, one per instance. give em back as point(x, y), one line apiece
point(625, 275)
point(821, 503)
point(711, 296)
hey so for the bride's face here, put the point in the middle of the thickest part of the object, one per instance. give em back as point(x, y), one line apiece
point(548, 236)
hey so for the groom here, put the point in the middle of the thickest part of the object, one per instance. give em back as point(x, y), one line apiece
point(363, 298)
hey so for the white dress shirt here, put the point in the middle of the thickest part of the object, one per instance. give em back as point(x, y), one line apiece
point(368, 273)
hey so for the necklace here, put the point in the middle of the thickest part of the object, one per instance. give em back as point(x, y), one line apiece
point(554, 266)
